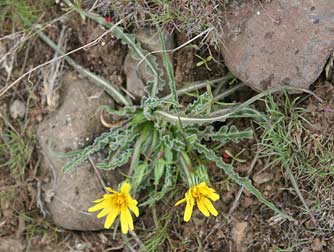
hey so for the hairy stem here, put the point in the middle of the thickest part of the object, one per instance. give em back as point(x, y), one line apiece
point(201, 120)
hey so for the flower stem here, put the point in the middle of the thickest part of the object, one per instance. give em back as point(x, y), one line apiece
point(187, 166)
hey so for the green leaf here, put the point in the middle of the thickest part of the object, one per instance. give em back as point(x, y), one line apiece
point(159, 168)
point(117, 137)
point(169, 181)
point(168, 154)
point(120, 158)
point(137, 119)
point(232, 134)
point(191, 139)
point(172, 142)
point(168, 66)
point(223, 135)
point(150, 104)
point(201, 174)
point(245, 182)
point(139, 173)
point(199, 105)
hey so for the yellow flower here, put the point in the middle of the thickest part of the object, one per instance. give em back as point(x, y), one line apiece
point(115, 203)
point(201, 194)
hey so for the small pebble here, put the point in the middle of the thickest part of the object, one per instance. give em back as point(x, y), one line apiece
point(17, 109)
point(262, 177)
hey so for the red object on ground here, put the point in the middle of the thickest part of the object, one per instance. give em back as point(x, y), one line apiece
point(226, 157)
point(107, 19)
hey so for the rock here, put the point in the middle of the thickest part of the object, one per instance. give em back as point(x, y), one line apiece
point(280, 42)
point(318, 245)
point(134, 83)
point(17, 109)
point(10, 245)
point(262, 177)
point(136, 75)
point(246, 202)
point(71, 127)
point(243, 168)
point(239, 234)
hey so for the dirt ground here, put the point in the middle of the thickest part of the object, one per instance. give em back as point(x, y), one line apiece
point(246, 227)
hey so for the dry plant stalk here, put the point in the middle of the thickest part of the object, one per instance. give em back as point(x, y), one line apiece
point(8, 56)
point(51, 75)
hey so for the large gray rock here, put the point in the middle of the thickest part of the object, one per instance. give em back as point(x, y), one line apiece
point(71, 127)
point(282, 42)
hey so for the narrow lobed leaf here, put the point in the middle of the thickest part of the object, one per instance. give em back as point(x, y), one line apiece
point(228, 169)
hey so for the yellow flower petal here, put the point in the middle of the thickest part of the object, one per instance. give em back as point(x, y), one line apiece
point(96, 207)
point(204, 188)
point(132, 201)
point(208, 192)
point(188, 212)
point(125, 188)
point(213, 196)
point(129, 219)
point(203, 184)
point(180, 201)
point(189, 197)
point(210, 207)
point(103, 213)
point(115, 203)
point(189, 207)
point(98, 200)
point(124, 221)
point(110, 219)
point(201, 194)
point(134, 209)
point(109, 189)
point(201, 206)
